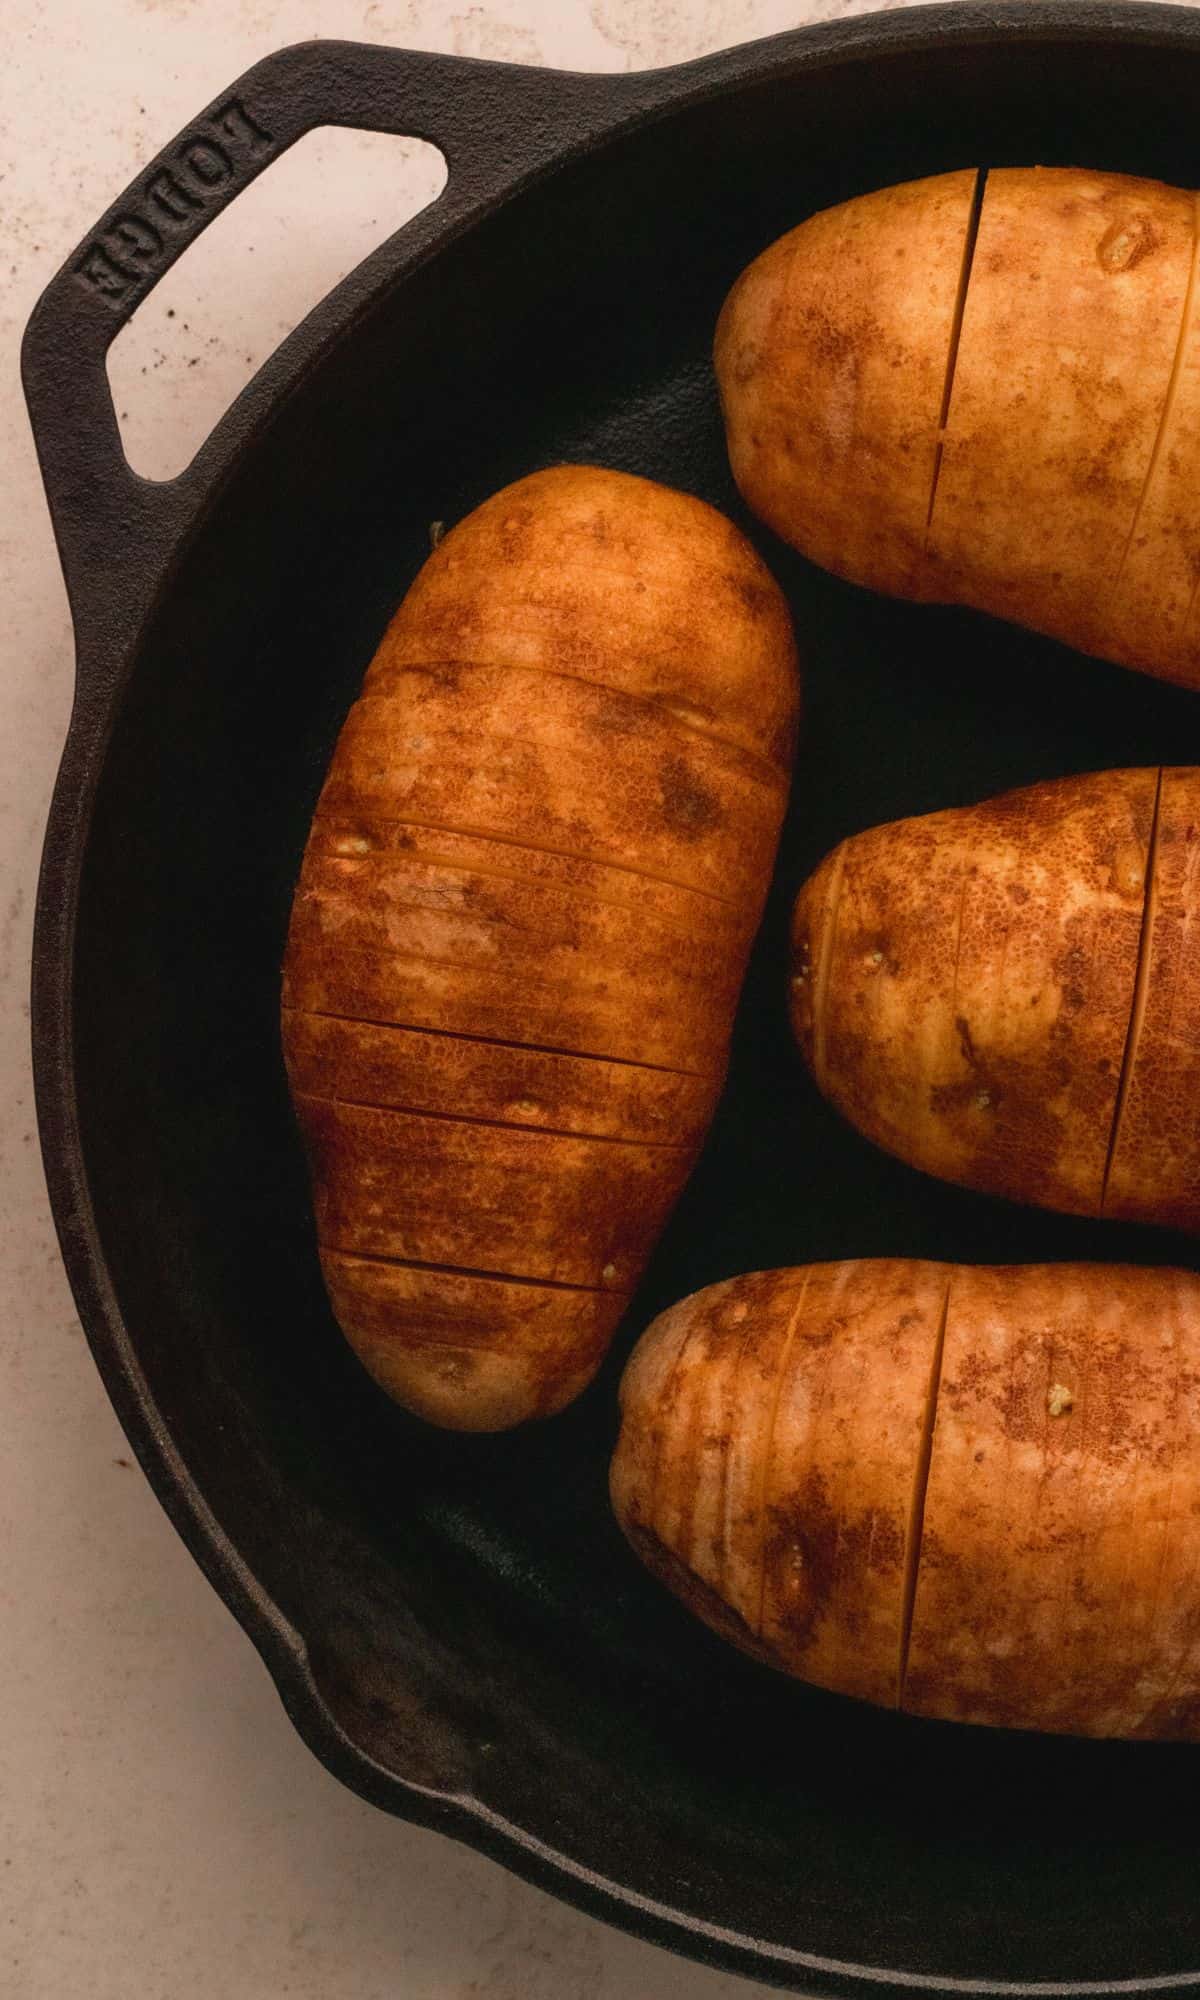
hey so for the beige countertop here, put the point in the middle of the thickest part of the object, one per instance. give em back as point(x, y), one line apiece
point(163, 1832)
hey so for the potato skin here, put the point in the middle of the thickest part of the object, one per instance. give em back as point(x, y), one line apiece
point(1008, 995)
point(993, 403)
point(530, 887)
point(1154, 1169)
point(966, 1492)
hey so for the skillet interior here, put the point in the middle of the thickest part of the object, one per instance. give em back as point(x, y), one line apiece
point(472, 1617)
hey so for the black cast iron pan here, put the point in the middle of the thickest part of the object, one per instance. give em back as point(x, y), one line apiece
point(454, 1624)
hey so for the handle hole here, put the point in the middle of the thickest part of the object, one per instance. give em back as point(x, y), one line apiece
point(242, 286)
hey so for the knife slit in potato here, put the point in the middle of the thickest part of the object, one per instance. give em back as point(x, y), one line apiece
point(759, 1597)
point(494, 1124)
point(534, 875)
point(1155, 1171)
point(814, 957)
point(1141, 992)
point(462, 1271)
point(732, 1484)
point(1161, 567)
point(1170, 402)
point(914, 1535)
point(297, 1016)
point(960, 303)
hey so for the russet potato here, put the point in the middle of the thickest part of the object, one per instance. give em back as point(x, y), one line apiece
point(984, 389)
point(531, 884)
point(965, 1492)
point(1008, 995)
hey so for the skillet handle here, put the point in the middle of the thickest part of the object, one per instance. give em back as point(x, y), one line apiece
point(494, 122)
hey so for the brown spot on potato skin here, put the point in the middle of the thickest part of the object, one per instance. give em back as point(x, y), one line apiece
point(834, 343)
point(612, 718)
point(688, 806)
point(1124, 244)
point(757, 593)
point(813, 1554)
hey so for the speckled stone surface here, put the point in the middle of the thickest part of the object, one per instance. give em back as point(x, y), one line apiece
point(163, 1832)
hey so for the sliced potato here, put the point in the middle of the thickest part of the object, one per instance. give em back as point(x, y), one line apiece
point(533, 878)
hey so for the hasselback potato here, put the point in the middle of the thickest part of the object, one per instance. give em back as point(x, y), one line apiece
point(967, 1492)
point(534, 874)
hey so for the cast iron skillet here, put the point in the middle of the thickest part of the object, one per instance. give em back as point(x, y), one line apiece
point(455, 1625)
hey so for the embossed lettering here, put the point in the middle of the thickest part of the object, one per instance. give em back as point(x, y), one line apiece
point(133, 246)
point(137, 237)
point(209, 162)
point(237, 124)
point(99, 269)
point(171, 198)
